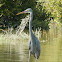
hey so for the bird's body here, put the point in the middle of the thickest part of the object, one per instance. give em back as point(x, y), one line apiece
point(34, 44)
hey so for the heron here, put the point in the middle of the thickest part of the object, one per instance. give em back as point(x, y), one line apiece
point(33, 43)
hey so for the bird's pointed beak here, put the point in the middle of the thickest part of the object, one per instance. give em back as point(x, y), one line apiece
point(20, 13)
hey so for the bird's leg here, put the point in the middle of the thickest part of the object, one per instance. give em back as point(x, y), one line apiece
point(36, 57)
point(29, 56)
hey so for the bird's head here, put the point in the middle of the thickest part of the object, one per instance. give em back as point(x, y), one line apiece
point(29, 10)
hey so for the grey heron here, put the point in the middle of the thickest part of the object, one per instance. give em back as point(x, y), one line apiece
point(34, 44)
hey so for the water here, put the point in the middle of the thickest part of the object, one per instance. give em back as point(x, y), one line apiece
point(51, 49)
point(13, 53)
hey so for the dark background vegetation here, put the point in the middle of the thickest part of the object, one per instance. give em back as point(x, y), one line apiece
point(9, 9)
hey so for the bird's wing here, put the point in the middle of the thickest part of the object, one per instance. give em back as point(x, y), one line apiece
point(38, 45)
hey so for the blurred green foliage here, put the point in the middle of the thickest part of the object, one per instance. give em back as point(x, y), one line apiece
point(54, 7)
point(42, 10)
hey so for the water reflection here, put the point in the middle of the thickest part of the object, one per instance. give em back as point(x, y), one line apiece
point(51, 49)
point(17, 53)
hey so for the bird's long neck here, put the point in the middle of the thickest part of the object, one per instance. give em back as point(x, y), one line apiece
point(30, 23)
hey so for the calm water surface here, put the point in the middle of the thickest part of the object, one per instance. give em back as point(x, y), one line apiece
point(51, 50)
